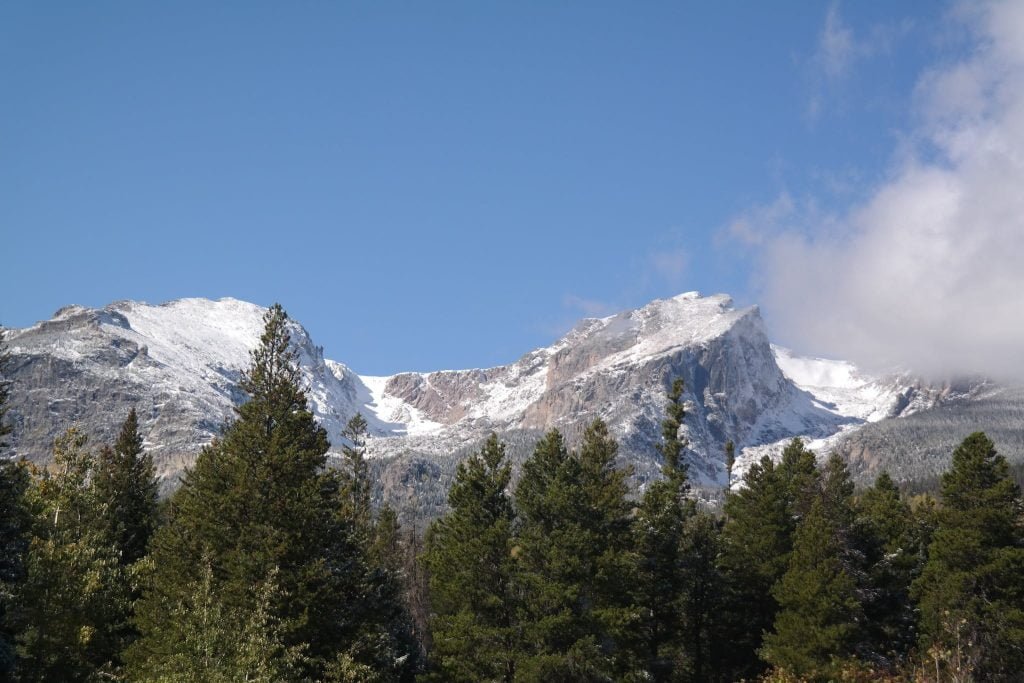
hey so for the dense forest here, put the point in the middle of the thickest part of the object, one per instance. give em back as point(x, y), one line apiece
point(268, 565)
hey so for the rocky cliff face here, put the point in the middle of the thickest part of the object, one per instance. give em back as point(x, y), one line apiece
point(179, 365)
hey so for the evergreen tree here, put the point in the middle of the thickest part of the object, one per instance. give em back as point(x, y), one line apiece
point(472, 574)
point(730, 461)
point(74, 590)
point(5, 390)
point(662, 572)
point(702, 597)
point(816, 625)
point(576, 568)
point(126, 489)
point(757, 538)
point(225, 645)
point(355, 476)
point(971, 591)
point(378, 540)
point(386, 551)
point(258, 501)
point(15, 523)
point(893, 554)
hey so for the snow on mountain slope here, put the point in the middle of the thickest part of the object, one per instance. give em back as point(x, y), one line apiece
point(838, 386)
point(180, 363)
point(738, 388)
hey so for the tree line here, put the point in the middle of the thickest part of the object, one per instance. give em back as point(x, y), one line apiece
point(267, 565)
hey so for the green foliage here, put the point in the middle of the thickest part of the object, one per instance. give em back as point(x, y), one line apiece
point(702, 597)
point(971, 591)
point(75, 590)
point(355, 492)
point(757, 538)
point(224, 644)
point(15, 523)
point(671, 446)
point(386, 549)
point(258, 501)
point(819, 610)
point(730, 460)
point(576, 567)
point(662, 563)
point(5, 390)
point(893, 548)
point(472, 573)
point(126, 489)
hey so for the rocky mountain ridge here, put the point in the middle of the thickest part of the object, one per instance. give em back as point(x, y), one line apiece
point(179, 364)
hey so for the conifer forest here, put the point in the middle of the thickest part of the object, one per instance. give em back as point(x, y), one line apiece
point(268, 565)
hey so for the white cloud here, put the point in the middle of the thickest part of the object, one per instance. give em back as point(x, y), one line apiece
point(671, 265)
point(590, 308)
point(839, 49)
point(927, 273)
point(836, 48)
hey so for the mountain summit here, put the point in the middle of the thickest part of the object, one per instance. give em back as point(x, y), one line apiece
point(179, 365)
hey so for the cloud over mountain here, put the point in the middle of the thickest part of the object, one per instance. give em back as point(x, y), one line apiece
point(927, 271)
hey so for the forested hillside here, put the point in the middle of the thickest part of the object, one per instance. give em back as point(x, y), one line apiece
point(268, 565)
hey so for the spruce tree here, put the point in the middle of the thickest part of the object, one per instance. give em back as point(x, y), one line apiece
point(386, 550)
point(472, 574)
point(576, 567)
point(662, 572)
point(225, 645)
point(126, 490)
point(702, 597)
point(257, 504)
point(971, 591)
point(893, 555)
point(816, 626)
point(355, 475)
point(15, 523)
point(378, 540)
point(74, 593)
point(757, 538)
point(5, 390)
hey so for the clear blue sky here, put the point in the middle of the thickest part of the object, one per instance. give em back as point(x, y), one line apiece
point(428, 185)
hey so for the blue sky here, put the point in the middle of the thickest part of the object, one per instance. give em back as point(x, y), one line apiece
point(446, 184)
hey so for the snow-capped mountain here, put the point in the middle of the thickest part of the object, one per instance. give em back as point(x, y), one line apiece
point(179, 365)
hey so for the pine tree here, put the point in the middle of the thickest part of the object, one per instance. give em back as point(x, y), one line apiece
point(386, 550)
point(390, 630)
point(258, 500)
point(971, 591)
point(15, 523)
point(816, 625)
point(355, 476)
point(757, 538)
point(576, 567)
point(226, 645)
point(74, 590)
point(126, 489)
point(893, 554)
point(472, 574)
point(5, 390)
point(662, 572)
point(702, 596)
point(730, 461)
